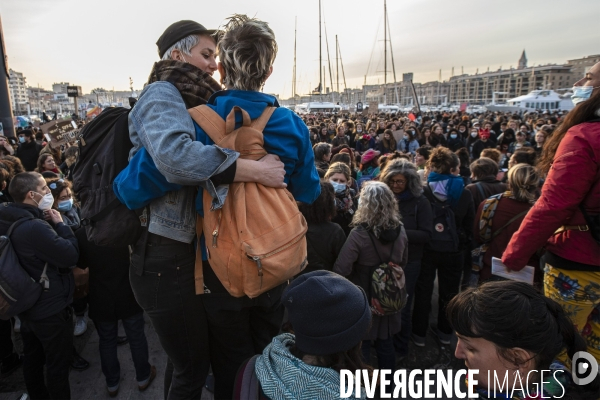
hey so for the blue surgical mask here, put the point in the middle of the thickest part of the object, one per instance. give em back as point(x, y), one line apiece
point(453, 135)
point(65, 206)
point(405, 137)
point(22, 139)
point(582, 93)
point(338, 187)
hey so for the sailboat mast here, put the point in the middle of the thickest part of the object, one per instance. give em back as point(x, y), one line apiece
point(393, 65)
point(294, 74)
point(337, 66)
point(320, 53)
point(342, 63)
point(384, 52)
point(329, 62)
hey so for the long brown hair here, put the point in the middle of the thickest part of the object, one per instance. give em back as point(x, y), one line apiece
point(585, 111)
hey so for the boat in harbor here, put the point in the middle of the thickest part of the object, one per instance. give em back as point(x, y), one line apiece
point(536, 100)
point(318, 107)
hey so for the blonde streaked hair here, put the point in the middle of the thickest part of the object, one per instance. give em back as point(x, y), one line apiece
point(523, 181)
point(338, 168)
point(377, 209)
point(247, 50)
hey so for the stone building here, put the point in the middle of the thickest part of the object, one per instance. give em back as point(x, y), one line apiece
point(17, 86)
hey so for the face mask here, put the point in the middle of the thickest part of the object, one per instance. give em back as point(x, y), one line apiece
point(461, 130)
point(338, 187)
point(359, 130)
point(65, 206)
point(22, 139)
point(453, 135)
point(582, 93)
point(405, 137)
point(473, 134)
point(46, 201)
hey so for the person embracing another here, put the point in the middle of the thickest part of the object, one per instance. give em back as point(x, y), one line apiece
point(165, 142)
point(238, 327)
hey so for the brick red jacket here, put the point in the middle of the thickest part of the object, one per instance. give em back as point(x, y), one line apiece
point(573, 179)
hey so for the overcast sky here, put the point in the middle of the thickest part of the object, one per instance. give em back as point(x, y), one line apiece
point(103, 43)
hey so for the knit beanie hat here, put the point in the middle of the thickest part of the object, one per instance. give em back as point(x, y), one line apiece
point(329, 314)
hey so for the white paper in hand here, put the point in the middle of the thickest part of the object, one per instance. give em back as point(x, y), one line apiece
point(524, 275)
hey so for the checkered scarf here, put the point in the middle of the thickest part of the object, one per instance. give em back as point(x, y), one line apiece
point(195, 85)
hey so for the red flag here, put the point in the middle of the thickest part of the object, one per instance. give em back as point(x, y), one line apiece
point(411, 116)
point(463, 106)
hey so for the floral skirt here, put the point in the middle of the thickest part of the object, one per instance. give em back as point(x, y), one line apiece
point(578, 292)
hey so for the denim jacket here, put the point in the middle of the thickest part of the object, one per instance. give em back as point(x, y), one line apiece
point(409, 147)
point(160, 125)
point(285, 135)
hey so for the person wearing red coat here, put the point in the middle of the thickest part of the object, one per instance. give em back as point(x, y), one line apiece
point(572, 261)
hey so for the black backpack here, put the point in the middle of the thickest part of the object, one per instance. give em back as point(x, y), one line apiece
point(104, 147)
point(18, 290)
point(445, 235)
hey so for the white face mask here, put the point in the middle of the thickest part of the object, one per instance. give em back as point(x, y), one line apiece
point(474, 134)
point(338, 187)
point(46, 201)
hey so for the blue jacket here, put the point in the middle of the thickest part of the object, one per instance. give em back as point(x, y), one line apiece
point(408, 147)
point(285, 135)
point(161, 128)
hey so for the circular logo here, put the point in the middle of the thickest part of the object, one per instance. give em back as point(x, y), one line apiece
point(439, 227)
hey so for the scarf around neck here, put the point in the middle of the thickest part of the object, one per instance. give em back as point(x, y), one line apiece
point(283, 376)
point(344, 202)
point(453, 186)
point(195, 85)
point(406, 195)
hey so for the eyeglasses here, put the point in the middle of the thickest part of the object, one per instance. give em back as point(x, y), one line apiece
point(398, 182)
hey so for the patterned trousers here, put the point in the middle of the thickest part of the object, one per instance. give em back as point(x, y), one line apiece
point(578, 292)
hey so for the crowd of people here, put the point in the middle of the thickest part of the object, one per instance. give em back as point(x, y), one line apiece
point(436, 195)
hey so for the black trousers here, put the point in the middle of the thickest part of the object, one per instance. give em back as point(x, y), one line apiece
point(48, 342)
point(449, 268)
point(6, 343)
point(239, 328)
point(162, 279)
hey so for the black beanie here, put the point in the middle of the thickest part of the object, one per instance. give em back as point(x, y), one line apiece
point(178, 31)
point(329, 314)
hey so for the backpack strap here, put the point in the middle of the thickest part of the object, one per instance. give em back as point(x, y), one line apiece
point(230, 120)
point(513, 219)
point(44, 281)
point(377, 251)
point(211, 122)
point(15, 224)
point(480, 188)
point(260, 122)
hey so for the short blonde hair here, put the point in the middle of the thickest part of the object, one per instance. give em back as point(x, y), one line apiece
point(523, 181)
point(247, 50)
point(338, 168)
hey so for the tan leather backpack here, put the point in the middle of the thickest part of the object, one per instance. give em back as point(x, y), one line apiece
point(257, 240)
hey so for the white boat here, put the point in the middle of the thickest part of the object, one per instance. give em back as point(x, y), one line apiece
point(535, 101)
point(318, 107)
point(388, 108)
